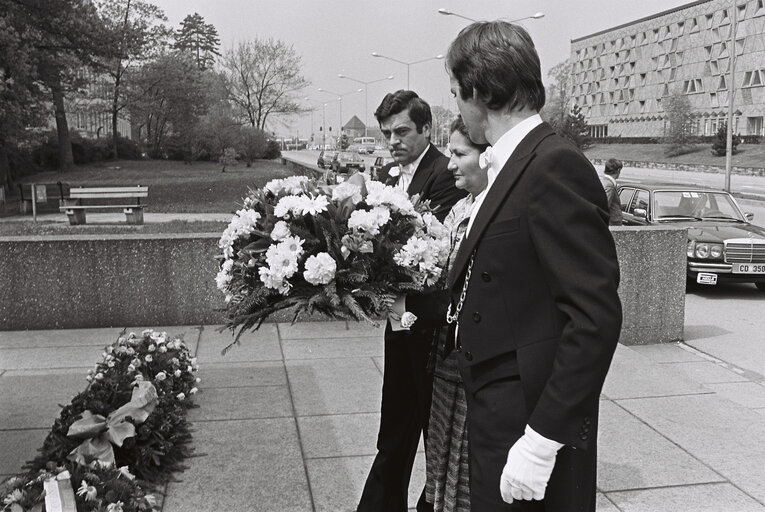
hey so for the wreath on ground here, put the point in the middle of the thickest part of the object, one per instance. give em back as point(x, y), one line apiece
point(128, 431)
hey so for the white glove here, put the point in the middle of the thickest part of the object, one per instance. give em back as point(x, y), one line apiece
point(530, 462)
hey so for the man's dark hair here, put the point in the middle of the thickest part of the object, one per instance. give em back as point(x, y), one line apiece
point(458, 125)
point(396, 102)
point(612, 166)
point(499, 61)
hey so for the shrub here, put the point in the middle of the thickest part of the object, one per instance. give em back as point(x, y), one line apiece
point(720, 146)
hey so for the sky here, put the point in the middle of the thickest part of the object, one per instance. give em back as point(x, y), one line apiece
point(338, 37)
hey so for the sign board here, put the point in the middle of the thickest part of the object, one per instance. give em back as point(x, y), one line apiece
point(41, 195)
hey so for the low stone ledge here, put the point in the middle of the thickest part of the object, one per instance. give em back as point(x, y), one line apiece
point(54, 282)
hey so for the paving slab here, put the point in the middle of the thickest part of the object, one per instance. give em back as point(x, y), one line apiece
point(633, 375)
point(59, 338)
point(603, 504)
point(337, 482)
point(721, 497)
point(706, 372)
point(43, 358)
point(238, 375)
point(720, 433)
point(330, 329)
point(245, 465)
point(748, 394)
point(339, 435)
point(241, 403)
point(631, 455)
point(32, 401)
point(17, 447)
point(334, 386)
point(667, 353)
point(260, 345)
point(333, 347)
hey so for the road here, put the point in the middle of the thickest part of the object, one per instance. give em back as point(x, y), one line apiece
point(726, 323)
point(752, 186)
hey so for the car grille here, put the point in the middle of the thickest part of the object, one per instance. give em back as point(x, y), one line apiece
point(745, 250)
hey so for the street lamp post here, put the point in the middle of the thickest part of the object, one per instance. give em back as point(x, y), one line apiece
point(731, 91)
point(366, 96)
point(323, 121)
point(340, 99)
point(535, 16)
point(407, 64)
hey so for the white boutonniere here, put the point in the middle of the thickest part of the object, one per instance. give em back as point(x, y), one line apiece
point(408, 319)
point(394, 171)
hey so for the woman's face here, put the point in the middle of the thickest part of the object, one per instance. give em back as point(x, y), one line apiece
point(463, 163)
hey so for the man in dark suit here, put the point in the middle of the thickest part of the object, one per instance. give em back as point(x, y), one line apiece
point(419, 168)
point(533, 287)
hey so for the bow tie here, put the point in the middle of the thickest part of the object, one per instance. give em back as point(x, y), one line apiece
point(484, 160)
point(407, 169)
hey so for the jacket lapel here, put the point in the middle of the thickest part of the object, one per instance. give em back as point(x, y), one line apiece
point(423, 171)
point(501, 187)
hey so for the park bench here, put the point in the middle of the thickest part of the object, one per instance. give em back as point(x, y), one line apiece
point(128, 200)
point(49, 196)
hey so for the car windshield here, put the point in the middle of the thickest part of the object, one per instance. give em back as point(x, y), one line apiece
point(694, 204)
point(348, 156)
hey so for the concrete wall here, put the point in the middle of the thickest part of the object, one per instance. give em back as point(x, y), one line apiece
point(162, 280)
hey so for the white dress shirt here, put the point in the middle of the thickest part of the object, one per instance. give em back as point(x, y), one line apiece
point(499, 155)
point(408, 170)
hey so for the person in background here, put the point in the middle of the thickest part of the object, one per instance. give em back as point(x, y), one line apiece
point(533, 287)
point(418, 168)
point(610, 174)
point(448, 472)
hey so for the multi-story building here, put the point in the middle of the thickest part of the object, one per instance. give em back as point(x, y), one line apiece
point(620, 76)
point(89, 109)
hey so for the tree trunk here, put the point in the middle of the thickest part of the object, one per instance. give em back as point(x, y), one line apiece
point(65, 157)
point(115, 110)
point(5, 170)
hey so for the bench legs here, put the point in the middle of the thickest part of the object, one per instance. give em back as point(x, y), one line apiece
point(76, 216)
point(134, 215)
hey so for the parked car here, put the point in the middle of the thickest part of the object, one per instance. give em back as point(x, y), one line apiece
point(378, 164)
point(723, 244)
point(344, 161)
point(325, 158)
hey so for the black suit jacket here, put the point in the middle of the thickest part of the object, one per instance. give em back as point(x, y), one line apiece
point(542, 301)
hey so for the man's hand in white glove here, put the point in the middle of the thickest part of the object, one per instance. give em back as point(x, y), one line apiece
point(530, 462)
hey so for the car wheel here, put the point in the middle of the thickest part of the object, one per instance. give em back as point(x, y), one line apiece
point(760, 286)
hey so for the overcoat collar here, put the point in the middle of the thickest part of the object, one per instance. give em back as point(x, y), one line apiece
point(504, 182)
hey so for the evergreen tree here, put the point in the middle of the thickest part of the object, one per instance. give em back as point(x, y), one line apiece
point(574, 128)
point(198, 38)
point(720, 146)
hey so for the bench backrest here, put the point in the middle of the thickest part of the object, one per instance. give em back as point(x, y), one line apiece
point(107, 192)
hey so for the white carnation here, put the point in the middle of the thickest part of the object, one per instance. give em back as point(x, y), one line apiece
point(320, 269)
point(287, 205)
point(281, 231)
point(345, 190)
point(223, 278)
point(369, 221)
point(244, 222)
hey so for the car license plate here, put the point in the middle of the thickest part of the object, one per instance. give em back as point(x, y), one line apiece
point(749, 268)
point(706, 278)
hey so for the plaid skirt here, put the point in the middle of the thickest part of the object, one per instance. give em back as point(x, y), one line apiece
point(448, 469)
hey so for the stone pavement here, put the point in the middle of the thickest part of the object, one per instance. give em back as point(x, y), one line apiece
point(287, 421)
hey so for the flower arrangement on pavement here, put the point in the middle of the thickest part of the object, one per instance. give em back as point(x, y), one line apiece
point(344, 251)
point(130, 420)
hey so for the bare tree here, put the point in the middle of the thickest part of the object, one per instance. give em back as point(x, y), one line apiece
point(264, 78)
point(558, 91)
point(680, 116)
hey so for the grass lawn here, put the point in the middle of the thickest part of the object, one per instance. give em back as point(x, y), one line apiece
point(28, 228)
point(173, 186)
point(748, 155)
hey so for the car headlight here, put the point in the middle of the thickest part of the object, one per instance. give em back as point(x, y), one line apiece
point(702, 250)
point(690, 248)
point(715, 251)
